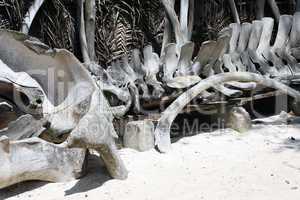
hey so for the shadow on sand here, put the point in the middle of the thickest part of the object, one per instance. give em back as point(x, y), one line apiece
point(96, 175)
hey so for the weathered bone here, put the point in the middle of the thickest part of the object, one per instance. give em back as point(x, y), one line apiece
point(80, 101)
point(214, 65)
point(293, 44)
point(260, 54)
point(257, 27)
point(246, 29)
point(36, 159)
point(254, 53)
point(284, 29)
point(95, 131)
point(228, 92)
point(277, 50)
point(162, 131)
point(15, 85)
point(183, 64)
point(170, 64)
point(235, 34)
point(57, 67)
point(24, 127)
point(184, 61)
point(266, 35)
point(238, 59)
point(294, 36)
point(205, 53)
point(151, 64)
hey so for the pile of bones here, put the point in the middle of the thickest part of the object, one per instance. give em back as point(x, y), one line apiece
point(53, 108)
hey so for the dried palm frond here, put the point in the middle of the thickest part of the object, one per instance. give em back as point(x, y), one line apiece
point(123, 25)
point(153, 15)
point(12, 13)
point(57, 25)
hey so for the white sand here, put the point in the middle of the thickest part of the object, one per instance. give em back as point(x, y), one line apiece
point(262, 164)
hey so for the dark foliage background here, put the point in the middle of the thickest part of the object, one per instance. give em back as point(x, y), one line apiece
point(123, 25)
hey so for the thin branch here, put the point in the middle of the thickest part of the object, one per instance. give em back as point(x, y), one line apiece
point(90, 19)
point(82, 35)
point(234, 11)
point(167, 33)
point(275, 9)
point(30, 15)
point(191, 19)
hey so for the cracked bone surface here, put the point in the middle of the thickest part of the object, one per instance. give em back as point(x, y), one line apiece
point(95, 131)
point(36, 159)
point(69, 91)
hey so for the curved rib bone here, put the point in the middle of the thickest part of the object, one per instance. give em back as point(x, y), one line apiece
point(275, 9)
point(162, 131)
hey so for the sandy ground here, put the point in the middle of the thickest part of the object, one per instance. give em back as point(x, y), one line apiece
point(261, 164)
